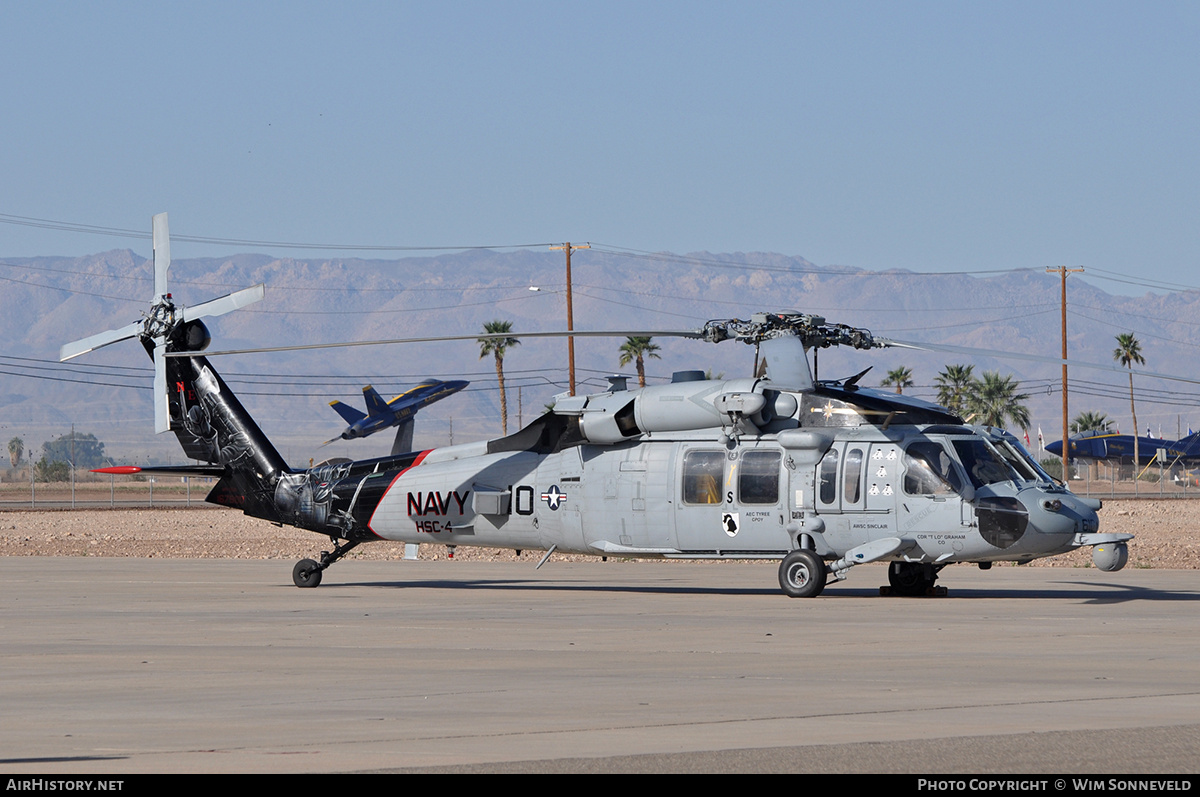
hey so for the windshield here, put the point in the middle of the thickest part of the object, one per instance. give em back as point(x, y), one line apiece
point(984, 464)
point(1024, 462)
point(1019, 457)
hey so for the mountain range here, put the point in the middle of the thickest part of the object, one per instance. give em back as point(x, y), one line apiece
point(48, 301)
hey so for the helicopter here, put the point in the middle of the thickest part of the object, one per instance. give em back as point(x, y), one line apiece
point(822, 476)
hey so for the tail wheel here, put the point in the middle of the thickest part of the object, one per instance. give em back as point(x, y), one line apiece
point(802, 574)
point(306, 573)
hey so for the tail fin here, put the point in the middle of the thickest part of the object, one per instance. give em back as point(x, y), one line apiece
point(214, 427)
point(1190, 445)
point(375, 403)
point(348, 413)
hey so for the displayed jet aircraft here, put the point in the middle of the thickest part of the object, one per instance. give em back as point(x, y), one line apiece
point(398, 412)
point(1097, 446)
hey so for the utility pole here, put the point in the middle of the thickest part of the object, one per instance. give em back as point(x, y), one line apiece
point(1063, 271)
point(570, 314)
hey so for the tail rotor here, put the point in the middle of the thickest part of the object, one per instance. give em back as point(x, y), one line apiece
point(158, 327)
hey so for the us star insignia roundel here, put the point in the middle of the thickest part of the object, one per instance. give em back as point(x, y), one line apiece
point(554, 497)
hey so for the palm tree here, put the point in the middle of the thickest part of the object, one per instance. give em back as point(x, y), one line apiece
point(633, 350)
point(899, 377)
point(1128, 352)
point(1091, 422)
point(955, 386)
point(996, 400)
point(496, 347)
point(15, 446)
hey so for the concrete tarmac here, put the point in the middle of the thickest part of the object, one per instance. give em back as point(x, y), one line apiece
point(147, 665)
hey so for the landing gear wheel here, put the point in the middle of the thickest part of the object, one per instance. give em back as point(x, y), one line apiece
point(802, 574)
point(910, 578)
point(306, 574)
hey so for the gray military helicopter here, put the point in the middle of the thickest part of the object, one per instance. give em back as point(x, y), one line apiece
point(821, 475)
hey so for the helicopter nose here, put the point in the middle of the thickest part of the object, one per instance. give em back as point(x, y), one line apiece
point(1003, 520)
point(1086, 519)
point(1061, 514)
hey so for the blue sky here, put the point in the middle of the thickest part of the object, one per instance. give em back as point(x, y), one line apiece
point(930, 136)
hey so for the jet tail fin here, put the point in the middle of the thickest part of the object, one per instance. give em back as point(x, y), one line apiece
point(348, 413)
point(1190, 445)
point(375, 403)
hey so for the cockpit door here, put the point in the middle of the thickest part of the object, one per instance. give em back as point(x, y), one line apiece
point(930, 499)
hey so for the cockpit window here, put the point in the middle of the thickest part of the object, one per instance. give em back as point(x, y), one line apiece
point(827, 478)
point(929, 470)
point(1015, 461)
point(1021, 460)
point(984, 465)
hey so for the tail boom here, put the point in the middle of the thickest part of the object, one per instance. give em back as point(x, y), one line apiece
point(213, 427)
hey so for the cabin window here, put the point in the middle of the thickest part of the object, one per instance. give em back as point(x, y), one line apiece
point(928, 470)
point(703, 475)
point(827, 487)
point(853, 475)
point(758, 479)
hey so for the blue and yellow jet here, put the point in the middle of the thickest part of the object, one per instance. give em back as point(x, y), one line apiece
point(398, 412)
point(1097, 445)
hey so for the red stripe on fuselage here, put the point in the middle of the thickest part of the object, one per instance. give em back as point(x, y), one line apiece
point(420, 458)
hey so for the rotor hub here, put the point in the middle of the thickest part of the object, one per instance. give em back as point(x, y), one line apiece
point(812, 330)
point(161, 319)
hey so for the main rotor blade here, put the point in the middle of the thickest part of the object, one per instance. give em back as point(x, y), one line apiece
point(688, 333)
point(1009, 355)
point(162, 255)
point(225, 304)
point(162, 413)
point(93, 342)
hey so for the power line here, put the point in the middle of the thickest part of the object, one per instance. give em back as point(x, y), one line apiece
point(72, 290)
point(1141, 333)
point(1173, 287)
point(831, 271)
point(972, 323)
point(275, 288)
point(77, 381)
point(120, 232)
point(402, 310)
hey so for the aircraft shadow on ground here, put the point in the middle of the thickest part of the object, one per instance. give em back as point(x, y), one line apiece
point(522, 585)
point(1092, 593)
